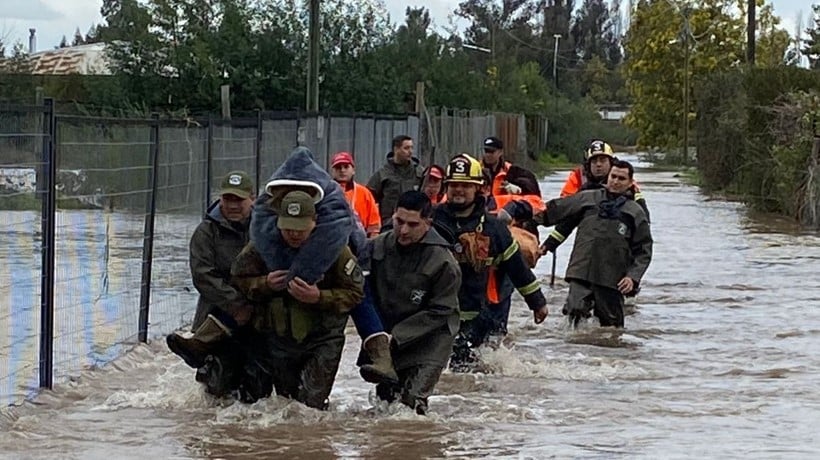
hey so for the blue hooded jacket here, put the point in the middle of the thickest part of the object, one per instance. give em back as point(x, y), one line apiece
point(335, 222)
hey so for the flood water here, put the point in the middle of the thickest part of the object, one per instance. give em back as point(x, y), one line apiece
point(721, 358)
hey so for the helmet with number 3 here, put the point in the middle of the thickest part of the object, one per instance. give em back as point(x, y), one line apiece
point(464, 168)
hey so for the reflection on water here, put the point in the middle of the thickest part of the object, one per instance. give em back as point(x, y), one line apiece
point(720, 358)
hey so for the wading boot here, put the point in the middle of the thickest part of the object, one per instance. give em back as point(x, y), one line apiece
point(194, 349)
point(381, 370)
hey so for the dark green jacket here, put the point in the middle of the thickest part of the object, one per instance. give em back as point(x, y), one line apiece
point(613, 238)
point(415, 289)
point(341, 289)
point(213, 248)
point(389, 182)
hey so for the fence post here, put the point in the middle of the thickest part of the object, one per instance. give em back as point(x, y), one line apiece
point(209, 162)
point(148, 232)
point(49, 210)
point(258, 147)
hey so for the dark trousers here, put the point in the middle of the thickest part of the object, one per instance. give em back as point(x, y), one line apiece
point(365, 317)
point(305, 371)
point(585, 299)
point(416, 384)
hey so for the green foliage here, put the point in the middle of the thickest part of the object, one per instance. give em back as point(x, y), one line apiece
point(656, 48)
point(754, 132)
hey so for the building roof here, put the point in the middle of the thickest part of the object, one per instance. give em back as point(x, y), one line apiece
point(83, 59)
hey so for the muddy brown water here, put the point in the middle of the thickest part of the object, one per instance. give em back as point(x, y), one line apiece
point(721, 358)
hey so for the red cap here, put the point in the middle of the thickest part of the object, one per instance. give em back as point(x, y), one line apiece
point(342, 158)
point(436, 171)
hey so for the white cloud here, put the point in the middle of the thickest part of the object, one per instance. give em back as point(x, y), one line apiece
point(37, 10)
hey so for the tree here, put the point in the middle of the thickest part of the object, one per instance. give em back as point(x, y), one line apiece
point(63, 43)
point(78, 38)
point(654, 69)
point(812, 44)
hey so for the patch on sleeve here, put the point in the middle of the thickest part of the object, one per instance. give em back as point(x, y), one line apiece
point(350, 267)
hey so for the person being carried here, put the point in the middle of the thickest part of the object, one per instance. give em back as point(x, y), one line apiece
point(613, 247)
point(415, 282)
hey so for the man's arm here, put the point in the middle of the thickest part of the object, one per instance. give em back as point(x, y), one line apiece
point(441, 304)
point(641, 247)
point(564, 208)
point(249, 273)
point(348, 287)
point(373, 220)
point(212, 285)
point(561, 231)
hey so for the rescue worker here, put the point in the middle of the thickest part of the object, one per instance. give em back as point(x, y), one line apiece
point(493, 159)
point(433, 183)
point(415, 282)
point(343, 170)
point(486, 253)
point(214, 245)
point(304, 322)
point(400, 173)
point(518, 191)
point(613, 247)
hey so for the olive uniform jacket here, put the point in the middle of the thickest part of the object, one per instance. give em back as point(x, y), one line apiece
point(341, 289)
point(415, 289)
point(613, 238)
point(214, 245)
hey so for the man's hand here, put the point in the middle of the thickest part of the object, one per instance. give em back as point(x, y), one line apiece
point(511, 188)
point(303, 292)
point(276, 280)
point(626, 285)
point(541, 314)
point(544, 249)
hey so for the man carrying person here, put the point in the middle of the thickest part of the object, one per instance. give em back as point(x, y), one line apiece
point(303, 322)
point(415, 282)
point(613, 246)
point(486, 253)
point(399, 174)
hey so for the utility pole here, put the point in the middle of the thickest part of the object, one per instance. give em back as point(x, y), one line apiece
point(750, 33)
point(313, 59)
point(686, 32)
point(557, 37)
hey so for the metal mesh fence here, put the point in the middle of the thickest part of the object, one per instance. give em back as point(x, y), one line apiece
point(21, 147)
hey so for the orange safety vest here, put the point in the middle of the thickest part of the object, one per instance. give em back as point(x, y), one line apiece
point(364, 205)
point(499, 179)
point(577, 179)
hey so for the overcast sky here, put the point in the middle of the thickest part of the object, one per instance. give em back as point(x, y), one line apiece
point(55, 18)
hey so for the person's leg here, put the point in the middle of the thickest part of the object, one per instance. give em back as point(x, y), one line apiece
point(579, 302)
point(609, 306)
point(472, 333)
point(319, 373)
point(375, 341)
point(499, 314)
point(418, 383)
point(216, 327)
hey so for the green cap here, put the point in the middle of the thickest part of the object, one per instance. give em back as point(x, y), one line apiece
point(237, 183)
point(296, 211)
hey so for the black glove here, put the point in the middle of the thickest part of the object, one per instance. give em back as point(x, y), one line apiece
point(535, 300)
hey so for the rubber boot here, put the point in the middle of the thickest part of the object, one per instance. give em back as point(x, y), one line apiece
point(195, 349)
point(381, 370)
